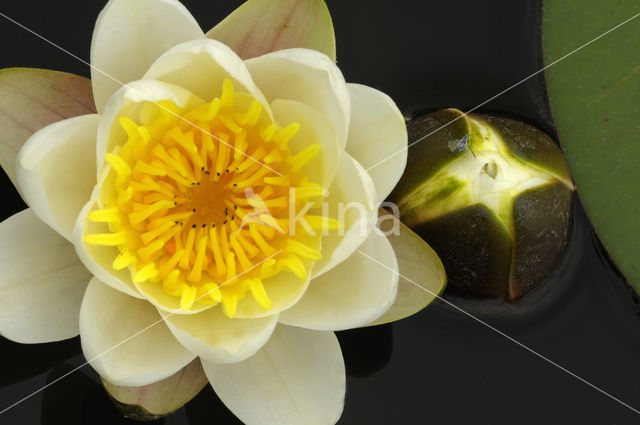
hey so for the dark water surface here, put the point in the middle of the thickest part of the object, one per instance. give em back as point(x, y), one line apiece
point(440, 366)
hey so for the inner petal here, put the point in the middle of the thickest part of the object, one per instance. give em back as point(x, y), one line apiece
point(206, 203)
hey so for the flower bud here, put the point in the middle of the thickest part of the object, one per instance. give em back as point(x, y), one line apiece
point(491, 195)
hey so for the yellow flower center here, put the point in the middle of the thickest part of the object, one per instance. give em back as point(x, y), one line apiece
point(200, 201)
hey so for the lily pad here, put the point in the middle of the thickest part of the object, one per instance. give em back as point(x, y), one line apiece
point(594, 95)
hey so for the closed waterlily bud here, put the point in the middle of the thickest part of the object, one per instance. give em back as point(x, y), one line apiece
point(491, 195)
point(153, 401)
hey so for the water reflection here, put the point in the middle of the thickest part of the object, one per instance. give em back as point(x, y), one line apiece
point(32, 359)
point(366, 350)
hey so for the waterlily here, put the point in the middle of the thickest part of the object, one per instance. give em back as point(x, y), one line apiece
point(215, 207)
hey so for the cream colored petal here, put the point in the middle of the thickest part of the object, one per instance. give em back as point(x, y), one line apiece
point(297, 378)
point(56, 170)
point(41, 284)
point(354, 293)
point(127, 102)
point(129, 36)
point(421, 273)
point(218, 339)
point(201, 66)
point(314, 129)
point(351, 201)
point(261, 26)
point(96, 258)
point(377, 137)
point(309, 77)
point(125, 340)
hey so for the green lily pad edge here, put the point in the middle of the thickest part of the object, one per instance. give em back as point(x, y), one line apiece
point(594, 94)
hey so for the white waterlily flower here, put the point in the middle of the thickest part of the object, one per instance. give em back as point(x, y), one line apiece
point(194, 198)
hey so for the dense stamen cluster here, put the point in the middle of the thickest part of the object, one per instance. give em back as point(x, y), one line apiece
point(199, 201)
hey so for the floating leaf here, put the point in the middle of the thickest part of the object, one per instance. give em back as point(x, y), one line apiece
point(595, 95)
point(31, 99)
point(262, 26)
point(155, 400)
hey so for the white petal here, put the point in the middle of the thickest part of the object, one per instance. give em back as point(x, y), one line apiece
point(377, 137)
point(354, 293)
point(421, 273)
point(351, 201)
point(297, 378)
point(127, 102)
point(129, 36)
point(309, 77)
point(98, 259)
point(42, 282)
point(314, 128)
point(125, 339)
point(201, 66)
point(56, 170)
point(218, 339)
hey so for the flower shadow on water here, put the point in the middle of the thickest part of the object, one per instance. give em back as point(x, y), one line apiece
point(366, 350)
point(79, 399)
point(207, 405)
point(32, 359)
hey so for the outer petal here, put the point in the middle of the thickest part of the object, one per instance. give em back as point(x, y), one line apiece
point(31, 99)
point(309, 77)
point(216, 338)
point(42, 282)
point(148, 402)
point(377, 133)
point(351, 201)
point(125, 339)
point(127, 102)
point(98, 259)
point(314, 128)
point(262, 26)
point(354, 293)
point(129, 36)
point(297, 378)
point(200, 66)
point(56, 170)
point(421, 273)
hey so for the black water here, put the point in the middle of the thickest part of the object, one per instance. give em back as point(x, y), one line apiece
point(440, 366)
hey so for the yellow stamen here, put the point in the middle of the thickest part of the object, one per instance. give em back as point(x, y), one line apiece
point(230, 304)
point(107, 239)
point(257, 290)
point(192, 207)
point(109, 215)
